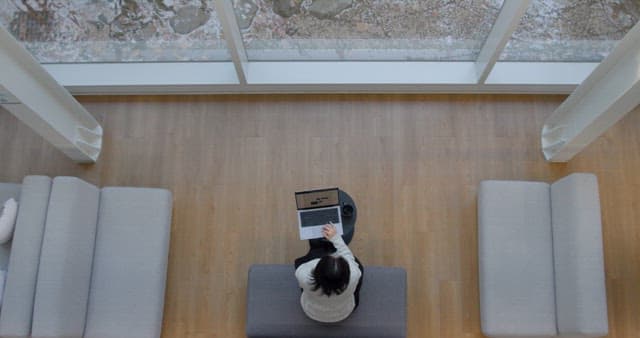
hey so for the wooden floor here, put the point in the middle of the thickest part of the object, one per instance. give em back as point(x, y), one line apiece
point(412, 163)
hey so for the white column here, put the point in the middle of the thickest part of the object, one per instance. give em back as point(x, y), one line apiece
point(35, 98)
point(233, 36)
point(611, 91)
point(506, 23)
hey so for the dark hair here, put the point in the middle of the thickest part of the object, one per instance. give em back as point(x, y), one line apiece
point(331, 274)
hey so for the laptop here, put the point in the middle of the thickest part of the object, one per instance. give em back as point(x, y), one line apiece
point(317, 208)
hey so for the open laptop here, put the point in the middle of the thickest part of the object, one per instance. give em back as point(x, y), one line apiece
point(317, 208)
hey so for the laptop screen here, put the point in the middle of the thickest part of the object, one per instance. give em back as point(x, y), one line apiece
point(317, 198)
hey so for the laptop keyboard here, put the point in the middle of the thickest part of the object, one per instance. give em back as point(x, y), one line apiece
point(319, 217)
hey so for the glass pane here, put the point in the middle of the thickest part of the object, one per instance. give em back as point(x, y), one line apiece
point(571, 30)
point(365, 29)
point(62, 31)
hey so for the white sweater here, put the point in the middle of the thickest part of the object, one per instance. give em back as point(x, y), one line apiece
point(319, 306)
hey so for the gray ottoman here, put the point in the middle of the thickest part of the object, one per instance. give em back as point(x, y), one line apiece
point(273, 305)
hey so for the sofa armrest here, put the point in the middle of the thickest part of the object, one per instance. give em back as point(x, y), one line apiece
point(581, 298)
point(17, 305)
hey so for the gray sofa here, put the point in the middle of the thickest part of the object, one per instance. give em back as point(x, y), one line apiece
point(273, 305)
point(85, 261)
point(541, 265)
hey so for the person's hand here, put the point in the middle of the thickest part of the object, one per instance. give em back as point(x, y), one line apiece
point(329, 230)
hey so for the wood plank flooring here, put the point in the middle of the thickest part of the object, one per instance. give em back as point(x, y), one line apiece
point(411, 162)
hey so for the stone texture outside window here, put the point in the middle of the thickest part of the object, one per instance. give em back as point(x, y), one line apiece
point(571, 30)
point(66, 31)
point(365, 29)
point(62, 31)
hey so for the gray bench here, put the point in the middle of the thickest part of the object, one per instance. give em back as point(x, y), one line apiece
point(273, 305)
point(540, 257)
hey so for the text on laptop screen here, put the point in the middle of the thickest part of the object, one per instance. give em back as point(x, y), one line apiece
point(317, 198)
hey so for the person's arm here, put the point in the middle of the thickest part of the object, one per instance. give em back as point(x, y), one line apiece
point(331, 234)
point(303, 273)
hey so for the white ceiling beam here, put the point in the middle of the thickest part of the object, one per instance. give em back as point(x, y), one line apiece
point(233, 37)
point(604, 97)
point(504, 26)
point(35, 98)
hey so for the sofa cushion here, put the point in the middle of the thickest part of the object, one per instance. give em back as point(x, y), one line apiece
point(515, 259)
point(64, 273)
point(579, 264)
point(273, 305)
point(130, 263)
point(8, 220)
point(17, 306)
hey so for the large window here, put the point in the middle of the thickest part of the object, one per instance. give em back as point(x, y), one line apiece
point(320, 45)
point(81, 31)
point(571, 30)
point(416, 30)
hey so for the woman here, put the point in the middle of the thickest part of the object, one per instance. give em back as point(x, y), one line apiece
point(330, 282)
